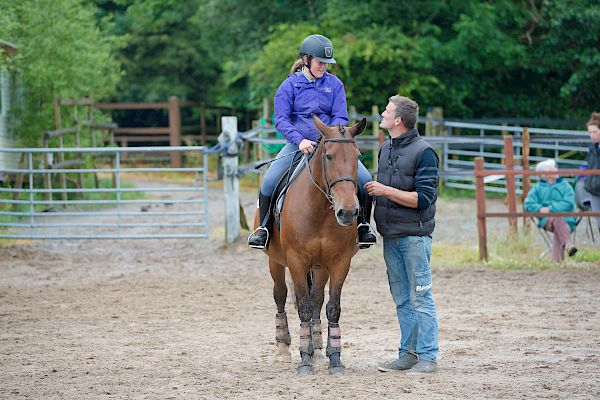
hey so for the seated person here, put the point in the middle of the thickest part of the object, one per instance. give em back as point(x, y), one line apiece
point(553, 194)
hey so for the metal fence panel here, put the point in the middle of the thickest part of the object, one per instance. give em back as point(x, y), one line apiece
point(166, 211)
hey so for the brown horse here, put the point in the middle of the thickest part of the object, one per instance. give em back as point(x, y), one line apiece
point(316, 243)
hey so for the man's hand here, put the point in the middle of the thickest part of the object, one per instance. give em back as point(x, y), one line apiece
point(306, 146)
point(544, 210)
point(375, 188)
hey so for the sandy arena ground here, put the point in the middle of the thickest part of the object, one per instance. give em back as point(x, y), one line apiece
point(194, 319)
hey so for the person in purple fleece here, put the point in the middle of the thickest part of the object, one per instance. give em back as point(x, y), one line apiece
point(308, 90)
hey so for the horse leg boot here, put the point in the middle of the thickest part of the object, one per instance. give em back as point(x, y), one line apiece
point(260, 237)
point(282, 337)
point(366, 237)
point(318, 280)
point(317, 335)
point(306, 349)
point(334, 349)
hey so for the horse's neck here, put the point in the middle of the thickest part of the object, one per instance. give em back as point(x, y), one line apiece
point(315, 192)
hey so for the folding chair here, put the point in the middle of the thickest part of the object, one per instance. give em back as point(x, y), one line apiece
point(545, 235)
point(583, 201)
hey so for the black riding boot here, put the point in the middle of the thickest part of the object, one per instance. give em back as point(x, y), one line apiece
point(366, 237)
point(260, 237)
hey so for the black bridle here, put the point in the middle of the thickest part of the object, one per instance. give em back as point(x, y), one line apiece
point(330, 182)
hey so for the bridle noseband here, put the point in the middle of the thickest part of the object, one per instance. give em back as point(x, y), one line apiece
point(329, 183)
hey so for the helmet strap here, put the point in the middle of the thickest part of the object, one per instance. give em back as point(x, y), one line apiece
point(307, 65)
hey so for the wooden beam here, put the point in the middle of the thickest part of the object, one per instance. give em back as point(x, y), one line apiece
point(175, 130)
point(511, 187)
point(480, 197)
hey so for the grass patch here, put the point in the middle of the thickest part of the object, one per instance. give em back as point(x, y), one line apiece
point(588, 256)
point(454, 254)
point(508, 253)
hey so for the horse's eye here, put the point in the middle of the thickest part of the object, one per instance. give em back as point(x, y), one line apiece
point(329, 157)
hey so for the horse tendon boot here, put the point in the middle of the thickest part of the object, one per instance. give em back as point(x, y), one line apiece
point(317, 336)
point(282, 337)
point(306, 349)
point(334, 349)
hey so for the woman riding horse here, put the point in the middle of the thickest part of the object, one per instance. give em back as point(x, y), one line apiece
point(317, 238)
point(310, 89)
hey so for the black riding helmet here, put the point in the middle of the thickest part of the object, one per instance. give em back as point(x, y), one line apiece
point(319, 47)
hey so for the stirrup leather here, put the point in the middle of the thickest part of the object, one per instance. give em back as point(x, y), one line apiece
point(260, 228)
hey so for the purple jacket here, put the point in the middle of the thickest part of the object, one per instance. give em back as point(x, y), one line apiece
point(297, 98)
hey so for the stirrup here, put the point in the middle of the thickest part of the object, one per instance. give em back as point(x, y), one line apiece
point(260, 228)
point(366, 245)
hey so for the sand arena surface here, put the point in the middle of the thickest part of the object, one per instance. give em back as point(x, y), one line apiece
point(194, 319)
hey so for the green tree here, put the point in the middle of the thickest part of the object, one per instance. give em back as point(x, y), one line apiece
point(476, 59)
point(164, 53)
point(62, 54)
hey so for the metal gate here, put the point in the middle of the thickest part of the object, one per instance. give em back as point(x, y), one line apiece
point(105, 193)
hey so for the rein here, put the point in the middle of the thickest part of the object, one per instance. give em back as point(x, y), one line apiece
point(329, 183)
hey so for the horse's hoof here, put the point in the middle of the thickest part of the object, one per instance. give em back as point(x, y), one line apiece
point(305, 370)
point(283, 354)
point(339, 370)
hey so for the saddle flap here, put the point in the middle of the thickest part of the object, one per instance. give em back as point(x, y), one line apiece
point(298, 163)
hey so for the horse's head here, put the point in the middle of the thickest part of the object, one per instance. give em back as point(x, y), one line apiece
point(339, 154)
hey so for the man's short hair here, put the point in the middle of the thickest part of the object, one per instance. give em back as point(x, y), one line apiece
point(546, 165)
point(406, 109)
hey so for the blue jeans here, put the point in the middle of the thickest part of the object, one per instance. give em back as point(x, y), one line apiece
point(277, 168)
point(409, 276)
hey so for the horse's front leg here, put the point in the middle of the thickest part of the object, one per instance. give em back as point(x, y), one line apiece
point(299, 276)
point(282, 332)
point(319, 277)
point(337, 276)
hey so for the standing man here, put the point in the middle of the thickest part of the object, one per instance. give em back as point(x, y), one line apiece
point(406, 191)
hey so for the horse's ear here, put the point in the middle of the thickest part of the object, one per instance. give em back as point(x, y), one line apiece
point(325, 130)
point(358, 128)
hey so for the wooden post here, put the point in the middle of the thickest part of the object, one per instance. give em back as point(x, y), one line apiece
point(526, 178)
point(203, 123)
point(376, 133)
point(80, 180)
point(352, 111)
point(480, 196)
point(218, 122)
point(510, 184)
point(175, 130)
point(19, 182)
point(230, 179)
point(260, 147)
point(438, 115)
point(47, 175)
point(438, 130)
point(431, 129)
point(61, 154)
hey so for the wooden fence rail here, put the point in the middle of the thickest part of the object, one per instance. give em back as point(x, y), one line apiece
point(175, 133)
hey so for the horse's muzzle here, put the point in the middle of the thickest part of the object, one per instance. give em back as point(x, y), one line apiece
point(346, 217)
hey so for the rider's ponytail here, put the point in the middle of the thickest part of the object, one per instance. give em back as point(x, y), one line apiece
point(297, 66)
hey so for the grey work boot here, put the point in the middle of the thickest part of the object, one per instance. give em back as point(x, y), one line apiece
point(405, 361)
point(423, 367)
